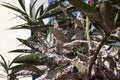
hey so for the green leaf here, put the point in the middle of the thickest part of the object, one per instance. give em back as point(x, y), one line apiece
point(10, 6)
point(33, 27)
point(52, 5)
point(55, 11)
point(89, 11)
point(30, 44)
point(30, 58)
point(4, 63)
point(27, 67)
point(81, 6)
point(13, 60)
point(21, 17)
point(31, 8)
point(22, 51)
point(116, 17)
point(50, 13)
point(33, 5)
point(4, 66)
point(108, 16)
point(39, 10)
point(22, 4)
point(22, 26)
point(24, 16)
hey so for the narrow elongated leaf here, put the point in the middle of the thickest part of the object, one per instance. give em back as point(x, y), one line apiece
point(39, 10)
point(52, 5)
point(108, 16)
point(22, 26)
point(30, 44)
point(33, 5)
point(4, 66)
point(20, 16)
point(22, 51)
point(13, 60)
point(22, 4)
point(114, 38)
point(2, 76)
point(10, 6)
point(50, 12)
point(55, 11)
point(81, 6)
point(30, 59)
point(34, 27)
point(16, 69)
point(90, 11)
point(24, 16)
point(113, 43)
point(4, 63)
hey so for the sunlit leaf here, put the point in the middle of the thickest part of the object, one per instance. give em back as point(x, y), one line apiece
point(10, 6)
point(31, 9)
point(30, 58)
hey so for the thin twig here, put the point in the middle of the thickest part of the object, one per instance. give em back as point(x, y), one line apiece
point(76, 42)
point(93, 59)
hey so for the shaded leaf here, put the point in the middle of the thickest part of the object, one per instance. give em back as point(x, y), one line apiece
point(113, 43)
point(52, 5)
point(55, 11)
point(81, 6)
point(108, 16)
point(22, 51)
point(90, 11)
point(30, 44)
point(18, 69)
point(33, 27)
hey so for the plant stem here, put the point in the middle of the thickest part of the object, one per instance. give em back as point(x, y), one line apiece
point(93, 59)
point(87, 31)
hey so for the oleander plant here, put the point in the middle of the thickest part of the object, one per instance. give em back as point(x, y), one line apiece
point(81, 40)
